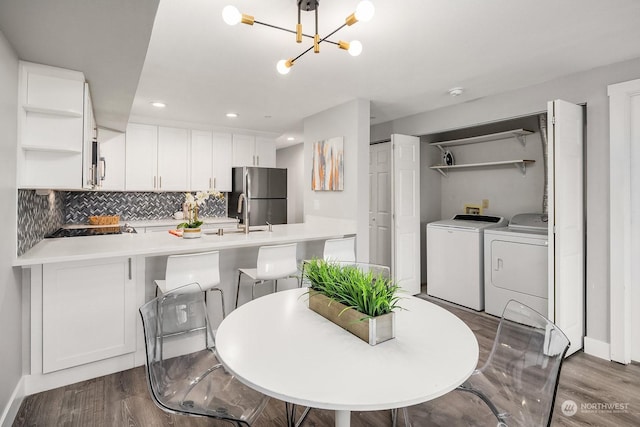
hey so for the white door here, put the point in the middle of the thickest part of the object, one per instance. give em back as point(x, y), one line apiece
point(173, 159)
point(380, 203)
point(405, 184)
point(201, 160)
point(141, 157)
point(624, 209)
point(566, 220)
point(222, 159)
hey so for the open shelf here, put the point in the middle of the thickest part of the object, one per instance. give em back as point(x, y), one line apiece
point(519, 134)
point(51, 111)
point(50, 149)
point(520, 164)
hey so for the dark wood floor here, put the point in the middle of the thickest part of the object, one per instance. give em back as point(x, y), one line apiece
point(122, 399)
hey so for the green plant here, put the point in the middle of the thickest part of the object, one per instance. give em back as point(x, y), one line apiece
point(367, 292)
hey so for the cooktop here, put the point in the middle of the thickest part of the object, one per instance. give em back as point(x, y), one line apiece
point(91, 231)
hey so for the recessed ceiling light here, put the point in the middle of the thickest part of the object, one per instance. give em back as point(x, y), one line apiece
point(456, 91)
point(291, 138)
point(232, 115)
point(158, 104)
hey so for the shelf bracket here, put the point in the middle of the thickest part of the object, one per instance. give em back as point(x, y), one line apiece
point(442, 172)
point(522, 139)
point(442, 150)
point(522, 167)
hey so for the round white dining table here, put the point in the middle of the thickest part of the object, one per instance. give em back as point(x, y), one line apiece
point(278, 346)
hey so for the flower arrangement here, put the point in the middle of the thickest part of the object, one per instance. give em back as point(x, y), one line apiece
point(192, 204)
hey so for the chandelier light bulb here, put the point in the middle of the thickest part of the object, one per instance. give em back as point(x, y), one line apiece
point(231, 15)
point(282, 67)
point(365, 11)
point(355, 48)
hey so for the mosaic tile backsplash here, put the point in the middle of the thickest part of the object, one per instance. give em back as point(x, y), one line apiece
point(132, 206)
point(37, 217)
point(41, 215)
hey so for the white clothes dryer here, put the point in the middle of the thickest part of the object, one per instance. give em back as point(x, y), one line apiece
point(455, 260)
point(515, 264)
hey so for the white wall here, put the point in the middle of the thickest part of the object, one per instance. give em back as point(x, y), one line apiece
point(351, 121)
point(10, 290)
point(292, 159)
point(589, 87)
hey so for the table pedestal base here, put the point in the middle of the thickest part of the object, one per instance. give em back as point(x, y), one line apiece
point(343, 418)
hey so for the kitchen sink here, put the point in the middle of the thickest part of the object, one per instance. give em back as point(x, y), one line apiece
point(230, 230)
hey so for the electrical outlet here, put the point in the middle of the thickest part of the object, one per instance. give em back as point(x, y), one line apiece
point(485, 203)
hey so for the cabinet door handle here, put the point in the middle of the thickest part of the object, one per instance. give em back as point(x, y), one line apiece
point(130, 276)
point(214, 182)
point(154, 182)
point(160, 180)
point(210, 186)
point(257, 160)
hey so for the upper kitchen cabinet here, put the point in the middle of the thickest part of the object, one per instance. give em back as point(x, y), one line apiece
point(254, 151)
point(156, 158)
point(89, 139)
point(211, 160)
point(111, 161)
point(51, 123)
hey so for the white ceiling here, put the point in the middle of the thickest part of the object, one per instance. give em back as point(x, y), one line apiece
point(414, 51)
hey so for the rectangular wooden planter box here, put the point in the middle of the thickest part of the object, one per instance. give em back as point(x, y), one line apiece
point(372, 330)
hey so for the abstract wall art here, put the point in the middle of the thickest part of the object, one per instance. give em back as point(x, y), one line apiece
point(327, 173)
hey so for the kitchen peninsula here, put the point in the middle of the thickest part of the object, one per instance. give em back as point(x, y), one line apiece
point(82, 294)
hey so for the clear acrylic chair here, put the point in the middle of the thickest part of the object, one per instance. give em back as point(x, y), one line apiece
point(274, 263)
point(183, 373)
point(202, 268)
point(343, 249)
point(519, 380)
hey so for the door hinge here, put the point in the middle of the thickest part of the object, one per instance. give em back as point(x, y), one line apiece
point(553, 120)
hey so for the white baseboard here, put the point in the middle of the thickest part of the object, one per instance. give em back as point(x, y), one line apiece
point(13, 406)
point(597, 348)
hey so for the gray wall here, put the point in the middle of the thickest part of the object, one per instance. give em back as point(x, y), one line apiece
point(10, 290)
point(351, 121)
point(292, 159)
point(588, 87)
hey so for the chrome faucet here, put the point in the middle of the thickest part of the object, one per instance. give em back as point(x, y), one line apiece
point(245, 213)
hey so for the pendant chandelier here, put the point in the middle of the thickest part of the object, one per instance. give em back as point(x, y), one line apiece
point(364, 12)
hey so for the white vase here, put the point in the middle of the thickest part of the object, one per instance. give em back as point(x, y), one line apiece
point(191, 233)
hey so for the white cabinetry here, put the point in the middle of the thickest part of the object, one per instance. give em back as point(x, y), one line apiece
point(156, 158)
point(141, 157)
point(111, 165)
point(50, 127)
point(253, 151)
point(173, 154)
point(90, 133)
point(211, 160)
point(89, 312)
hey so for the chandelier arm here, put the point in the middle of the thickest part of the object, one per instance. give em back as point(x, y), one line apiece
point(298, 57)
point(293, 32)
point(332, 33)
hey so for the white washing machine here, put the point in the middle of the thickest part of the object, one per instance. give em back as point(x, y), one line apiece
point(515, 264)
point(455, 260)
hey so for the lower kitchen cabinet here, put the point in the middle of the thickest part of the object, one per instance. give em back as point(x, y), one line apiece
point(88, 311)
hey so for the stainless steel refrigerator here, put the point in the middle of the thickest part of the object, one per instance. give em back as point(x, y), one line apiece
point(266, 193)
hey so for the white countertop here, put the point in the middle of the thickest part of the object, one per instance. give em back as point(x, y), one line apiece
point(170, 221)
point(121, 245)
